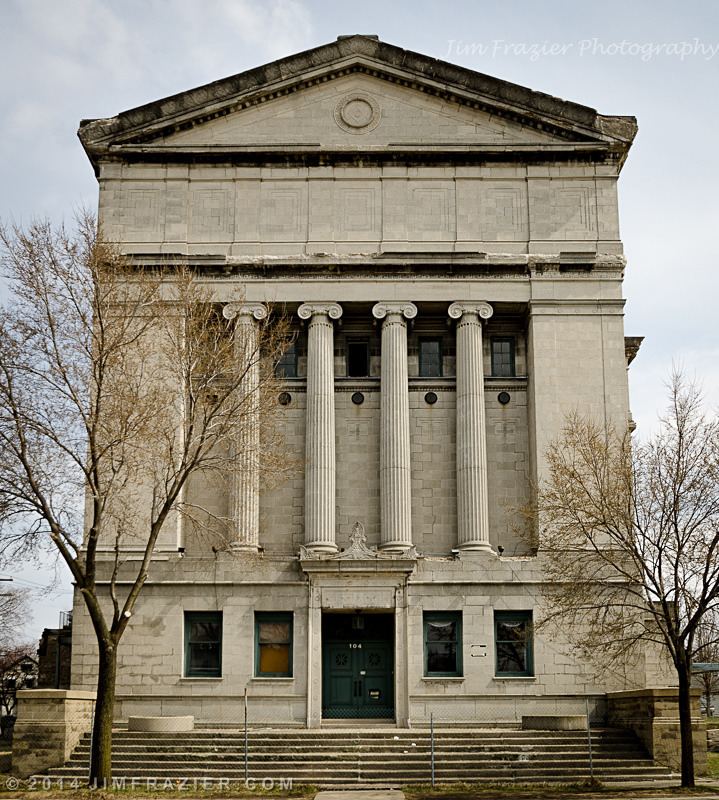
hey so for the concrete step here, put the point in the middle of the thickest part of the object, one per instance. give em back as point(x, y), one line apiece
point(394, 758)
point(344, 747)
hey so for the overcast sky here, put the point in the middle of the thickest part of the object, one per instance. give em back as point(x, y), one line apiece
point(64, 60)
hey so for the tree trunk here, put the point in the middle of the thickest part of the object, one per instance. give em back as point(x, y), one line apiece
point(101, 750)
point(685, 725)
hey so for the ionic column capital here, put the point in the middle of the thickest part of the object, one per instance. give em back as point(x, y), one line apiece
point(460, 308)
point(309, 310)
point(407, 310)
point(256, 310)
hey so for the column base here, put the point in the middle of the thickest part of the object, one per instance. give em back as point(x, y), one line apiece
point(477, 547)
point(321, 547)
point(242, 547)
point(395, 547)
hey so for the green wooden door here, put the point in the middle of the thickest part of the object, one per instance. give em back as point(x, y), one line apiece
point(357, 680)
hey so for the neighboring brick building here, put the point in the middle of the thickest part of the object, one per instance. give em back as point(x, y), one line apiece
point(448, 246)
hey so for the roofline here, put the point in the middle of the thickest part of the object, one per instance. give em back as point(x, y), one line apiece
point(94, 133)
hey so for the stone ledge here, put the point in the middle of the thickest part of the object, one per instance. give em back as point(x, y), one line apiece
point(161, 724)
point(55, 694)
point(552, 722)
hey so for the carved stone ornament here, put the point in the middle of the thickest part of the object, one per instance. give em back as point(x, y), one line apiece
point(357, 113)
point(357, 551)
point(482, 310)
point(308, 310)
point(256, 310)
point(381, 310)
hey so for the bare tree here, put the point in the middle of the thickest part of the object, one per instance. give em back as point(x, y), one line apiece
point(117, 385)
point(14, 614)
point(18, 670)
point(707, 652)
point(630, 536)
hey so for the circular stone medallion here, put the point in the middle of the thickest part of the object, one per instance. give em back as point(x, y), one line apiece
point(357, 113)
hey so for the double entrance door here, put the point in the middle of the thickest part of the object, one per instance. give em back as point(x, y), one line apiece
point(357, 666)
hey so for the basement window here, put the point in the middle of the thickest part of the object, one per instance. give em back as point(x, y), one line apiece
point(513, 641)
point(273, 644)
point(443, 644)
point(203, 644)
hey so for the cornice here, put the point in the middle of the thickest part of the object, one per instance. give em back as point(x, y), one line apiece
point(356, 55)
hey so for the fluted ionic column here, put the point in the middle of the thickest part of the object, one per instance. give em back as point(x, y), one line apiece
point(395, 465)
point(320, 432)
point(472, 506)
point(245, 500)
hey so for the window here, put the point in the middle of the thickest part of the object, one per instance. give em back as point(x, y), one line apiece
point(513, 644)
point(203, 644)
point(442, 644)
point(430, 358)
point(273, 644)
point(286, 367)
point(357, 358)
point(503, 357)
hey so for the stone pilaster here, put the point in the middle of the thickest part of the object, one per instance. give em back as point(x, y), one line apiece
point(472, 506)
point(246, 494)
point(395, 466)
point(320, 433)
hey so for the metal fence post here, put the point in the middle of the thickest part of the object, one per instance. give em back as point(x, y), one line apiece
point(246, 775)
point(92, 738)
point(431, 743)
point(589, 739)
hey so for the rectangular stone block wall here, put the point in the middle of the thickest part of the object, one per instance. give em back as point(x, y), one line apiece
point(50, 723)
point(151, 679)
point(357, 442)
point(653, 714)
point(254, 211)
point(433, 447)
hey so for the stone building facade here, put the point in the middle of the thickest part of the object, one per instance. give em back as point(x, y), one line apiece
point(448, 247)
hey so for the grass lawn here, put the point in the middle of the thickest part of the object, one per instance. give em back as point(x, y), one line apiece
point(713, 765)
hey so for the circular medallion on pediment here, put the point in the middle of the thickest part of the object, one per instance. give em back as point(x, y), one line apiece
point(357, 113)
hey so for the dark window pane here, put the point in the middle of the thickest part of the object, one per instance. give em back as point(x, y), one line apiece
point(442, 631)
point(203, 643)
point(287, 365)
point(503, 358)
point(204, 658)
point(441, 657)
point(512, 631)
point(430, 358)
point(358, 359)
point(513, 643)
point(511, 658)
point(206, 631)
point(443, 643)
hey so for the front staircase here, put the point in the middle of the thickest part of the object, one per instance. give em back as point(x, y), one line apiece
point(386, 757)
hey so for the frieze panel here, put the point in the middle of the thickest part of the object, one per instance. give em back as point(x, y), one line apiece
point(211, 214)
point(141, 214)
point(283, 212)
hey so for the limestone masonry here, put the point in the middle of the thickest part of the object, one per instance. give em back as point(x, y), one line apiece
point(447, 247)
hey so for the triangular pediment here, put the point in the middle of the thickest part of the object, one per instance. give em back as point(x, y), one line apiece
point(360, 111)
point(356, 94)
